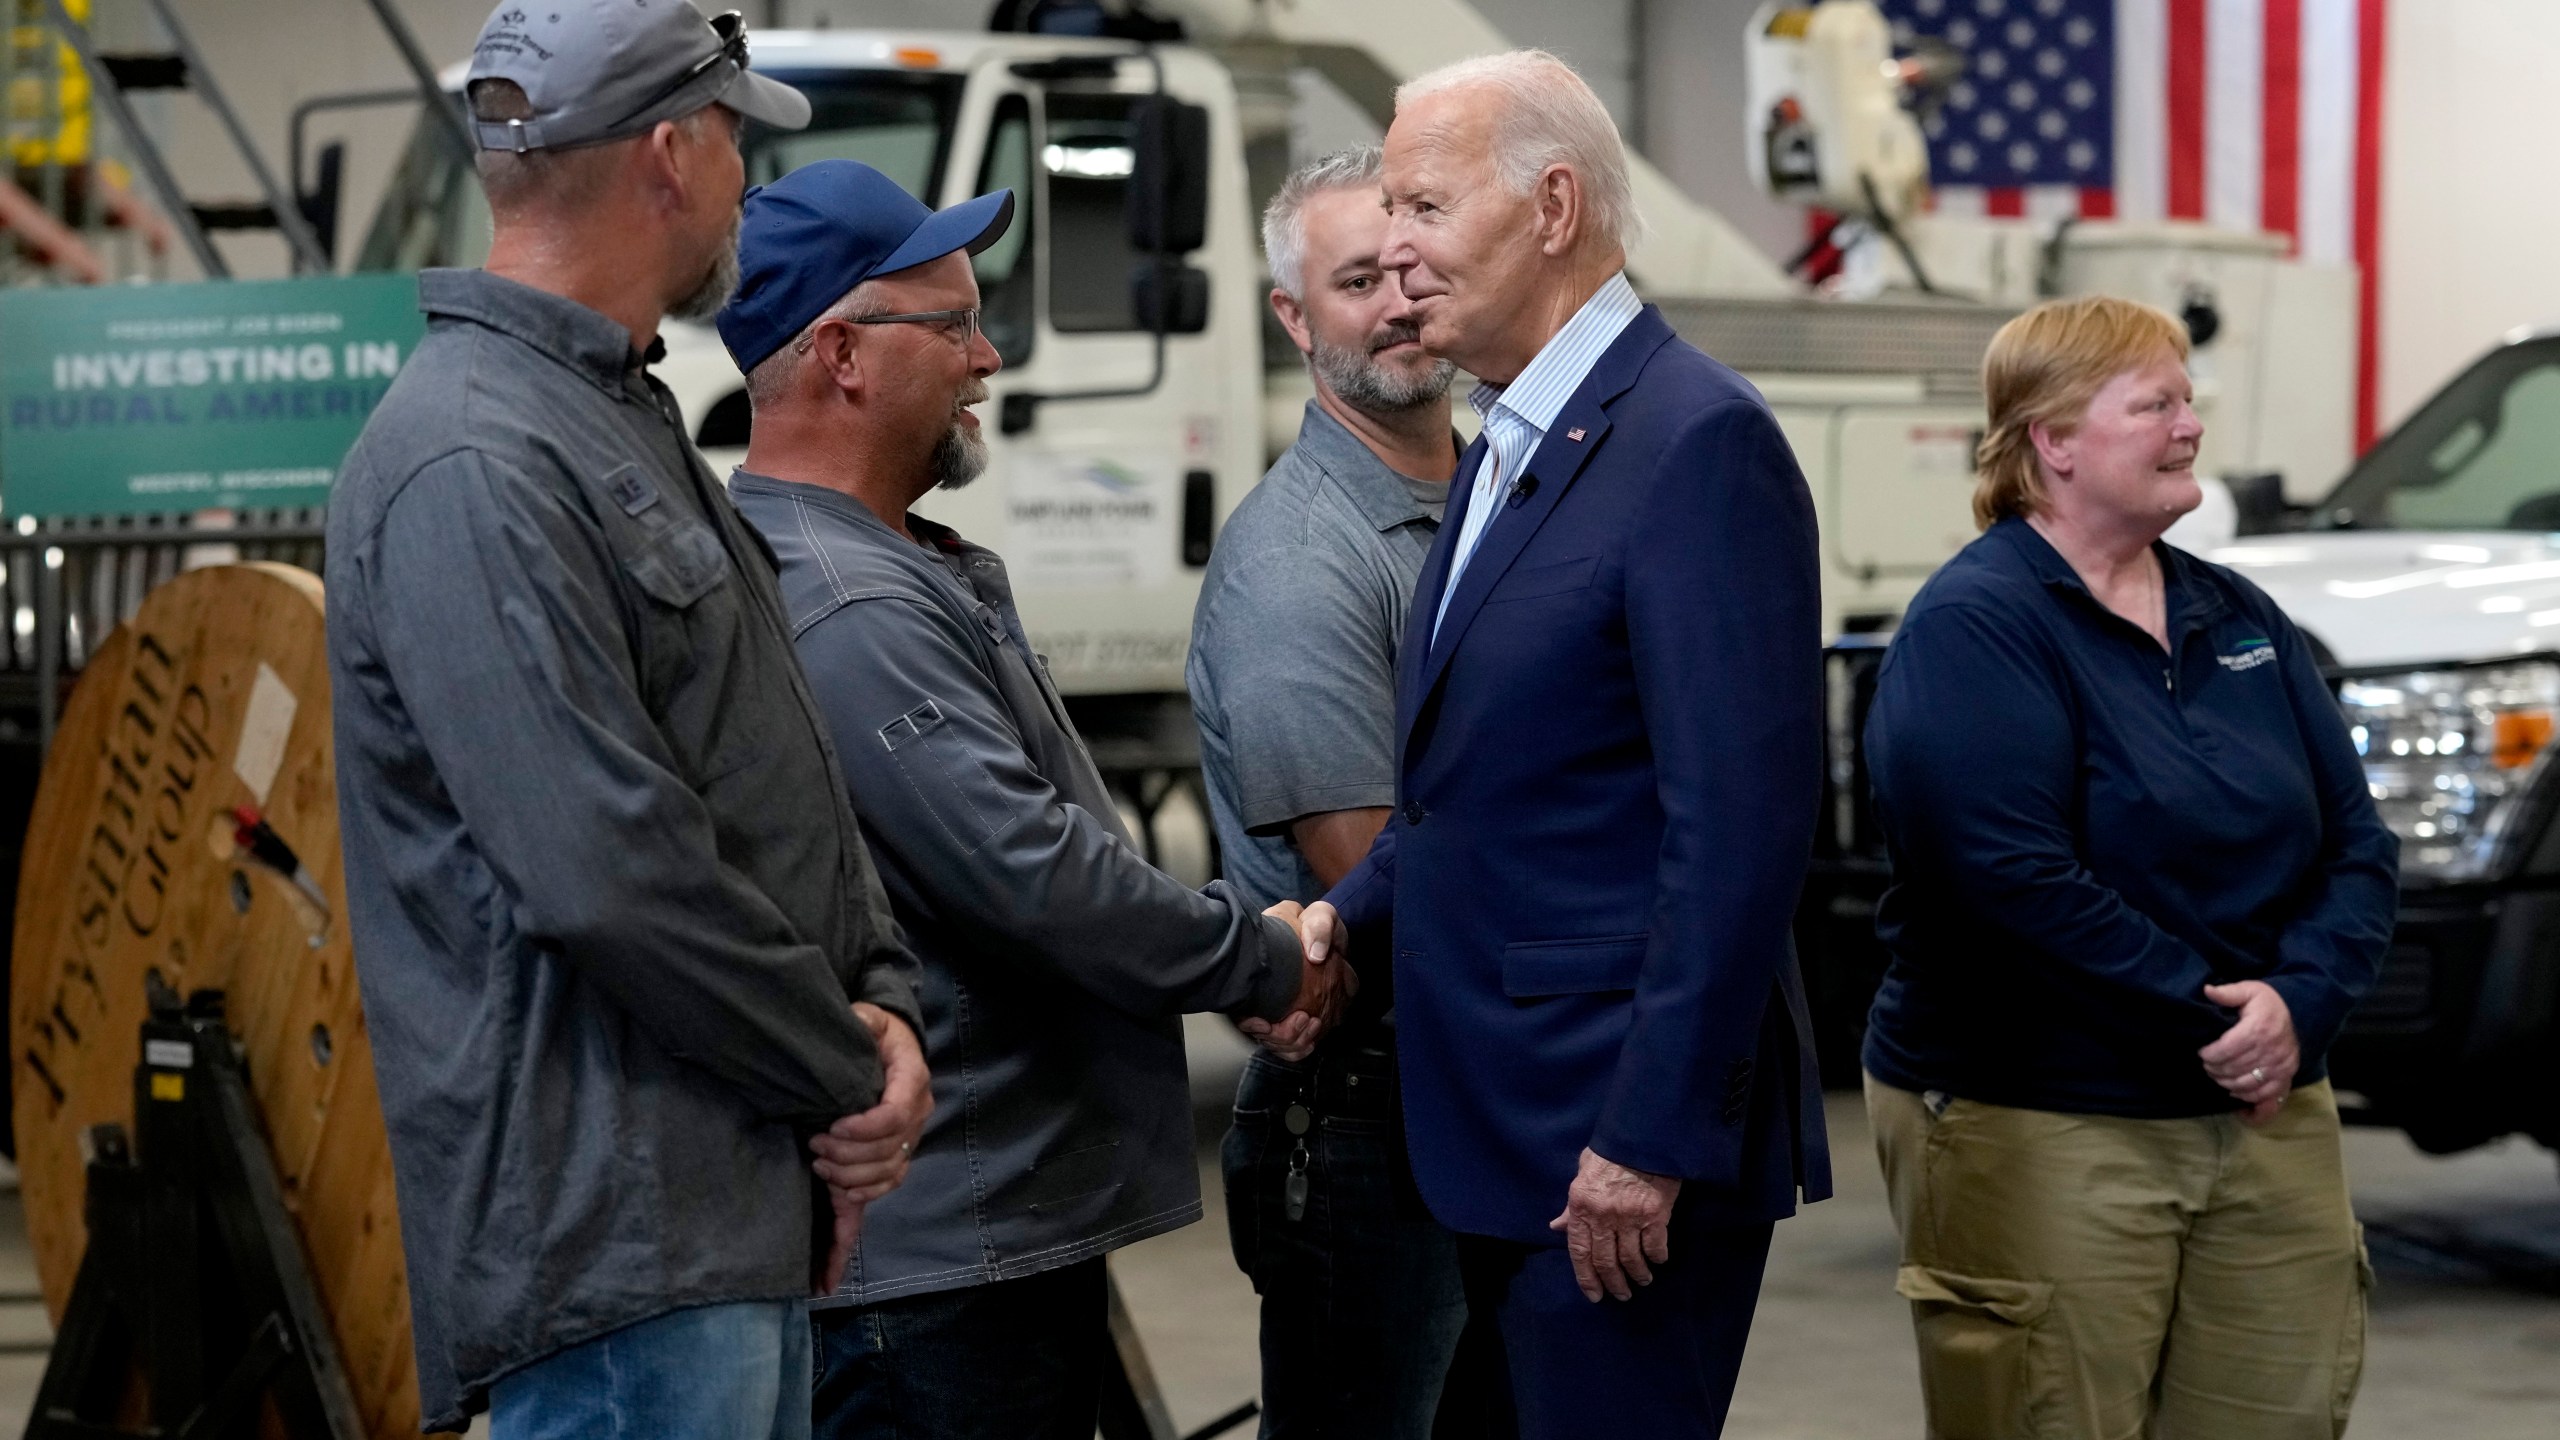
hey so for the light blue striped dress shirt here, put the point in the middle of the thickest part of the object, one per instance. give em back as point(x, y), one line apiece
point(1516, 416)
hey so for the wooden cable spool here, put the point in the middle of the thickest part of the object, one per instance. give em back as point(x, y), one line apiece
point(214, 696)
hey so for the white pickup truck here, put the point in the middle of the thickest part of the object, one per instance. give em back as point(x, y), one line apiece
point(2431, 576)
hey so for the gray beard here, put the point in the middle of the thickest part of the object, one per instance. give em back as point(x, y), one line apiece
point(959, 457)
point(1366, 385)
point(718, 283)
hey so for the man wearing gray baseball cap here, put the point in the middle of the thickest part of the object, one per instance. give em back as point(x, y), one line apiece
point(623, 952)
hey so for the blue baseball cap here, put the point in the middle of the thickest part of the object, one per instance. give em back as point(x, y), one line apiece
point(826, 227)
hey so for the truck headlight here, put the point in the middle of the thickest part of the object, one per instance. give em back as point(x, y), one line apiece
point(2449, 754)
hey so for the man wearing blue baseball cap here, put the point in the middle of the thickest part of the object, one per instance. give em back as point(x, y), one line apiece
point(623, 953)
point(1057, 962)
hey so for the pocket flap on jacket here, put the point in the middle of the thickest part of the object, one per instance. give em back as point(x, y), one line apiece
point(2020, 1302)
point(1539, 580)
point(680, 566)
point(1572, 967)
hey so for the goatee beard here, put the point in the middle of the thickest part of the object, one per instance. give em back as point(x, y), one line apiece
point(1354, 374)
point(718, 283)
point(959, 457)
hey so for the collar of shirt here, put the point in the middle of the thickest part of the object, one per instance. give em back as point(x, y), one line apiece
point(1516, 416)
point(937, 543)
point(1556, 371)
point(579, 338)
point(2189, 599)
point(1385, 496)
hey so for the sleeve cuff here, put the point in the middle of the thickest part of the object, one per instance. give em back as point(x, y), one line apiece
point(1283, 961)
point(1274, 814)
point(2317, 1009)
point(894, 992)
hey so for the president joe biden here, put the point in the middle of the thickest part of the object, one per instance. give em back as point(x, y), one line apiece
point(1609, 728)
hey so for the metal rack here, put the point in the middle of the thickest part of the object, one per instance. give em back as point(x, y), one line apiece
point(71, 582)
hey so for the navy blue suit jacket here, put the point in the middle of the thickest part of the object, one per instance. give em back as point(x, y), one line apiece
point(1608, 772)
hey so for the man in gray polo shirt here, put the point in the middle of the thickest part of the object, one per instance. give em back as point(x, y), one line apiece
point(1292, 678)
point(621, 948)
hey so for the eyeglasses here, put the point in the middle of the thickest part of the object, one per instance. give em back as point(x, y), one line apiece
point(731, 28)
point(942, 320)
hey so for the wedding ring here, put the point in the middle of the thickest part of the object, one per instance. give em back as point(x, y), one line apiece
point(2257, 1074)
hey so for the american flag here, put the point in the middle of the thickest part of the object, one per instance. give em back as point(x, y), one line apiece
point(2244, 114)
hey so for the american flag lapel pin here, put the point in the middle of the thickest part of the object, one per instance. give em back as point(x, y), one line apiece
point(1574, 434)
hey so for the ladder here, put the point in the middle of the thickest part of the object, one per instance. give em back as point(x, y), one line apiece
point(112, 80)
point(51, 138)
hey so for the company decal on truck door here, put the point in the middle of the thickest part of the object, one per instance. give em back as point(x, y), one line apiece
point(1080, 652)
point(1090, 523)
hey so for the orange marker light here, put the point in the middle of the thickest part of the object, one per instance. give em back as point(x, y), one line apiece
point(2522, 735)
point(916, 57)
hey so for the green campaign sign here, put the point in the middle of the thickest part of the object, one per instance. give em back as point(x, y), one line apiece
point(121, 400)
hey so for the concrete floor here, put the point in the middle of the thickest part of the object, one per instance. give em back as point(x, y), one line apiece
point(2465, 1342)
point(2466, 1321)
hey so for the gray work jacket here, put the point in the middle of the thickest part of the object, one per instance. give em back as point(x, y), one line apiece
point(1056, 960)
point(609, 907)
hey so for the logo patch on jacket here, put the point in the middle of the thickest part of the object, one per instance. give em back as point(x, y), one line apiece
point(2250, 655)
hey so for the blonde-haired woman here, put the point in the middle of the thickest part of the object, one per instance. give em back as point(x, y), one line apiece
point(2138, 883)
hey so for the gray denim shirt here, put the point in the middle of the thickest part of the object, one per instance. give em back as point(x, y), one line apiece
point(609, 907)
point(1056, 960)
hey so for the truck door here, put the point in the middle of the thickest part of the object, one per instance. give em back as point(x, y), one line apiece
point(1103, 504)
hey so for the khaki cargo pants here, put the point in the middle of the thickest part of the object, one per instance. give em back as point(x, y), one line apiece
point(2087, 1277)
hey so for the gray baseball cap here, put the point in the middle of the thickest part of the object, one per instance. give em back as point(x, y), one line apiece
point(599, 70)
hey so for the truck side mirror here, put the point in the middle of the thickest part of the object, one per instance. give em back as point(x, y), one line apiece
point(1169, 177)
point(1172, 298)
point(2262, 508)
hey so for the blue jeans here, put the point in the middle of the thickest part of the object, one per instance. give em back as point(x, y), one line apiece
point(713, 1372)
point(1014, 1360)
point(1362, 1305)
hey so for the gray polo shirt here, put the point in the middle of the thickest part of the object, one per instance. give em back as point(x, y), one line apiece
point(1293, 649)
point(609, 907)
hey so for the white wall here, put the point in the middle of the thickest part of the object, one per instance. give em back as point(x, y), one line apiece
point(2471, 185)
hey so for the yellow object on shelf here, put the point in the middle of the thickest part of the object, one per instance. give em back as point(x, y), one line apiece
point(48, 97)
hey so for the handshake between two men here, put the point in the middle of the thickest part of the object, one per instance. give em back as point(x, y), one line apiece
point(1325, 986)
point(864, 1156)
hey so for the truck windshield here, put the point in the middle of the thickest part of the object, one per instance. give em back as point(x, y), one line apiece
point(2484, 454)
point(898, 122)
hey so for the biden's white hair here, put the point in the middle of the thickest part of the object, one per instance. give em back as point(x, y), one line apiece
point(1548, 116)
point(1284, 220)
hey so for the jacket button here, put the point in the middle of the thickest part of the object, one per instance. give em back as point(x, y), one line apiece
point(1413, 812)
